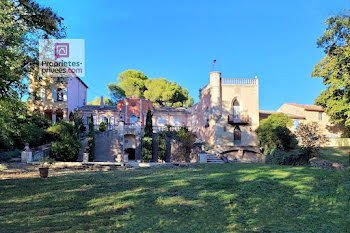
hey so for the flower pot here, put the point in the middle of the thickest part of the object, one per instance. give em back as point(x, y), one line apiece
point(44, 172)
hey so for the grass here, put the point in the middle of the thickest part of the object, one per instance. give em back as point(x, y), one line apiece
point(205, 198)
point(339, 154)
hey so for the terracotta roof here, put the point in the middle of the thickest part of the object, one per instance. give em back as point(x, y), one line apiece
point(293, 116)
point(309, 107)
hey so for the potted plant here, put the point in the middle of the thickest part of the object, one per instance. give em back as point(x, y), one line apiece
point(45, 163)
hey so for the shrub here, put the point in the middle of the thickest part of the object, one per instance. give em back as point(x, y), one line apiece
point(310, 137)
point(32, 134)
point(66, 149)
point(273, 133)
point(66, 145)
point(102, 127)
point(91, 148)
point(147, 149)
point(161, 146)
point(292, 157)
point(91, 139)
point(5, 156)
point(61, 129)
point(186, 139)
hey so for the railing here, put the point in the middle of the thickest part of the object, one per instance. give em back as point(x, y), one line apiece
point(242, 119)
point(239, 81)
point(157, 129)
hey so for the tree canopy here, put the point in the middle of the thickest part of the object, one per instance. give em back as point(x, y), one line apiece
point(23, 22)
point(132, 83)
point(334, 69)
point(97, 101)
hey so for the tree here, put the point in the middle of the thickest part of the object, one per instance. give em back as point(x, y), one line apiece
point(91, 139)
point(334, 69)
point(134, 83)
point(310, 136)
point(23, 22)
point(116, 92)
point(148, 126)
point(273, 133)
point(97, 101)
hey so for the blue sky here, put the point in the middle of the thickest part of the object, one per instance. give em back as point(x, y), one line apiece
point(275, 40)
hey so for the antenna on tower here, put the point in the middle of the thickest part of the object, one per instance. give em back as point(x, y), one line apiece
point(214, 61)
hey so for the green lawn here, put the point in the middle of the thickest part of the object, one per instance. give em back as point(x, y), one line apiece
point(206, 198)
point(340, 154)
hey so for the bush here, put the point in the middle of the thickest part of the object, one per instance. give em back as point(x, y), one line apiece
point(91, 148)
point(91, 139)
point(273, 133)
point(102, 127)
point(310, 137)
point(61, 129)
point(161, 146)
point(67, 149)
point(5, 156)
point(66, 145)
point(147, 149)
point(292, 157)
point(186, 139)
point(32, 134)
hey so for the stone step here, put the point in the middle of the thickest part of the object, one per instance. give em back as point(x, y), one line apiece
point(214, 159)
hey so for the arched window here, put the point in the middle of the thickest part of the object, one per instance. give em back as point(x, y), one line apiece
point(207, 117)
point(236, 109)
point(237, 135)
point(59, 94)
point(133, 119)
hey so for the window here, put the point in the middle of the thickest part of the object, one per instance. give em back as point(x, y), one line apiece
point(59, 94)
point(207, 117)
point(237, 135)
point(42, 94)
point(176, 121)
point(133, 119)
point(236, 109)
point(193, 121)
point(320, 116)
point(296, 124)
point(161, 121)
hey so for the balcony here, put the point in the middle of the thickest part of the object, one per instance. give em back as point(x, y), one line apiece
point(238, 120)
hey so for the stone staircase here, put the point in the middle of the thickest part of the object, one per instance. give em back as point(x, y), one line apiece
point(213, 159)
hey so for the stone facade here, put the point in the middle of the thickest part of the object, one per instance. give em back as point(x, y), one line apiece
point(303, 113)
point(56, 98)
point(227, 113)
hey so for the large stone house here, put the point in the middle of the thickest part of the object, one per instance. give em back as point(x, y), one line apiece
point(305, 113)
point(225, 117)
point(57, 98)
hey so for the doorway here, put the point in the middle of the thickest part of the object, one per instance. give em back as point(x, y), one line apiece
point(131, 153)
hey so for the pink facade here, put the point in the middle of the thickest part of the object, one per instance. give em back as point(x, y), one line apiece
point(77, 93)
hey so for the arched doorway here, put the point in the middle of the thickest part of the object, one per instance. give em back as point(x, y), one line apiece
point(59, 115)
point(130, 146)
point(71, 116)
point(131, 153)
point(237, 134)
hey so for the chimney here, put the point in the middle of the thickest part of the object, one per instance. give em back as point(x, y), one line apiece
point(102, 104)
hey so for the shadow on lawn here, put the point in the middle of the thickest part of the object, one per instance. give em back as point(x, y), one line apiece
point(211, 198)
